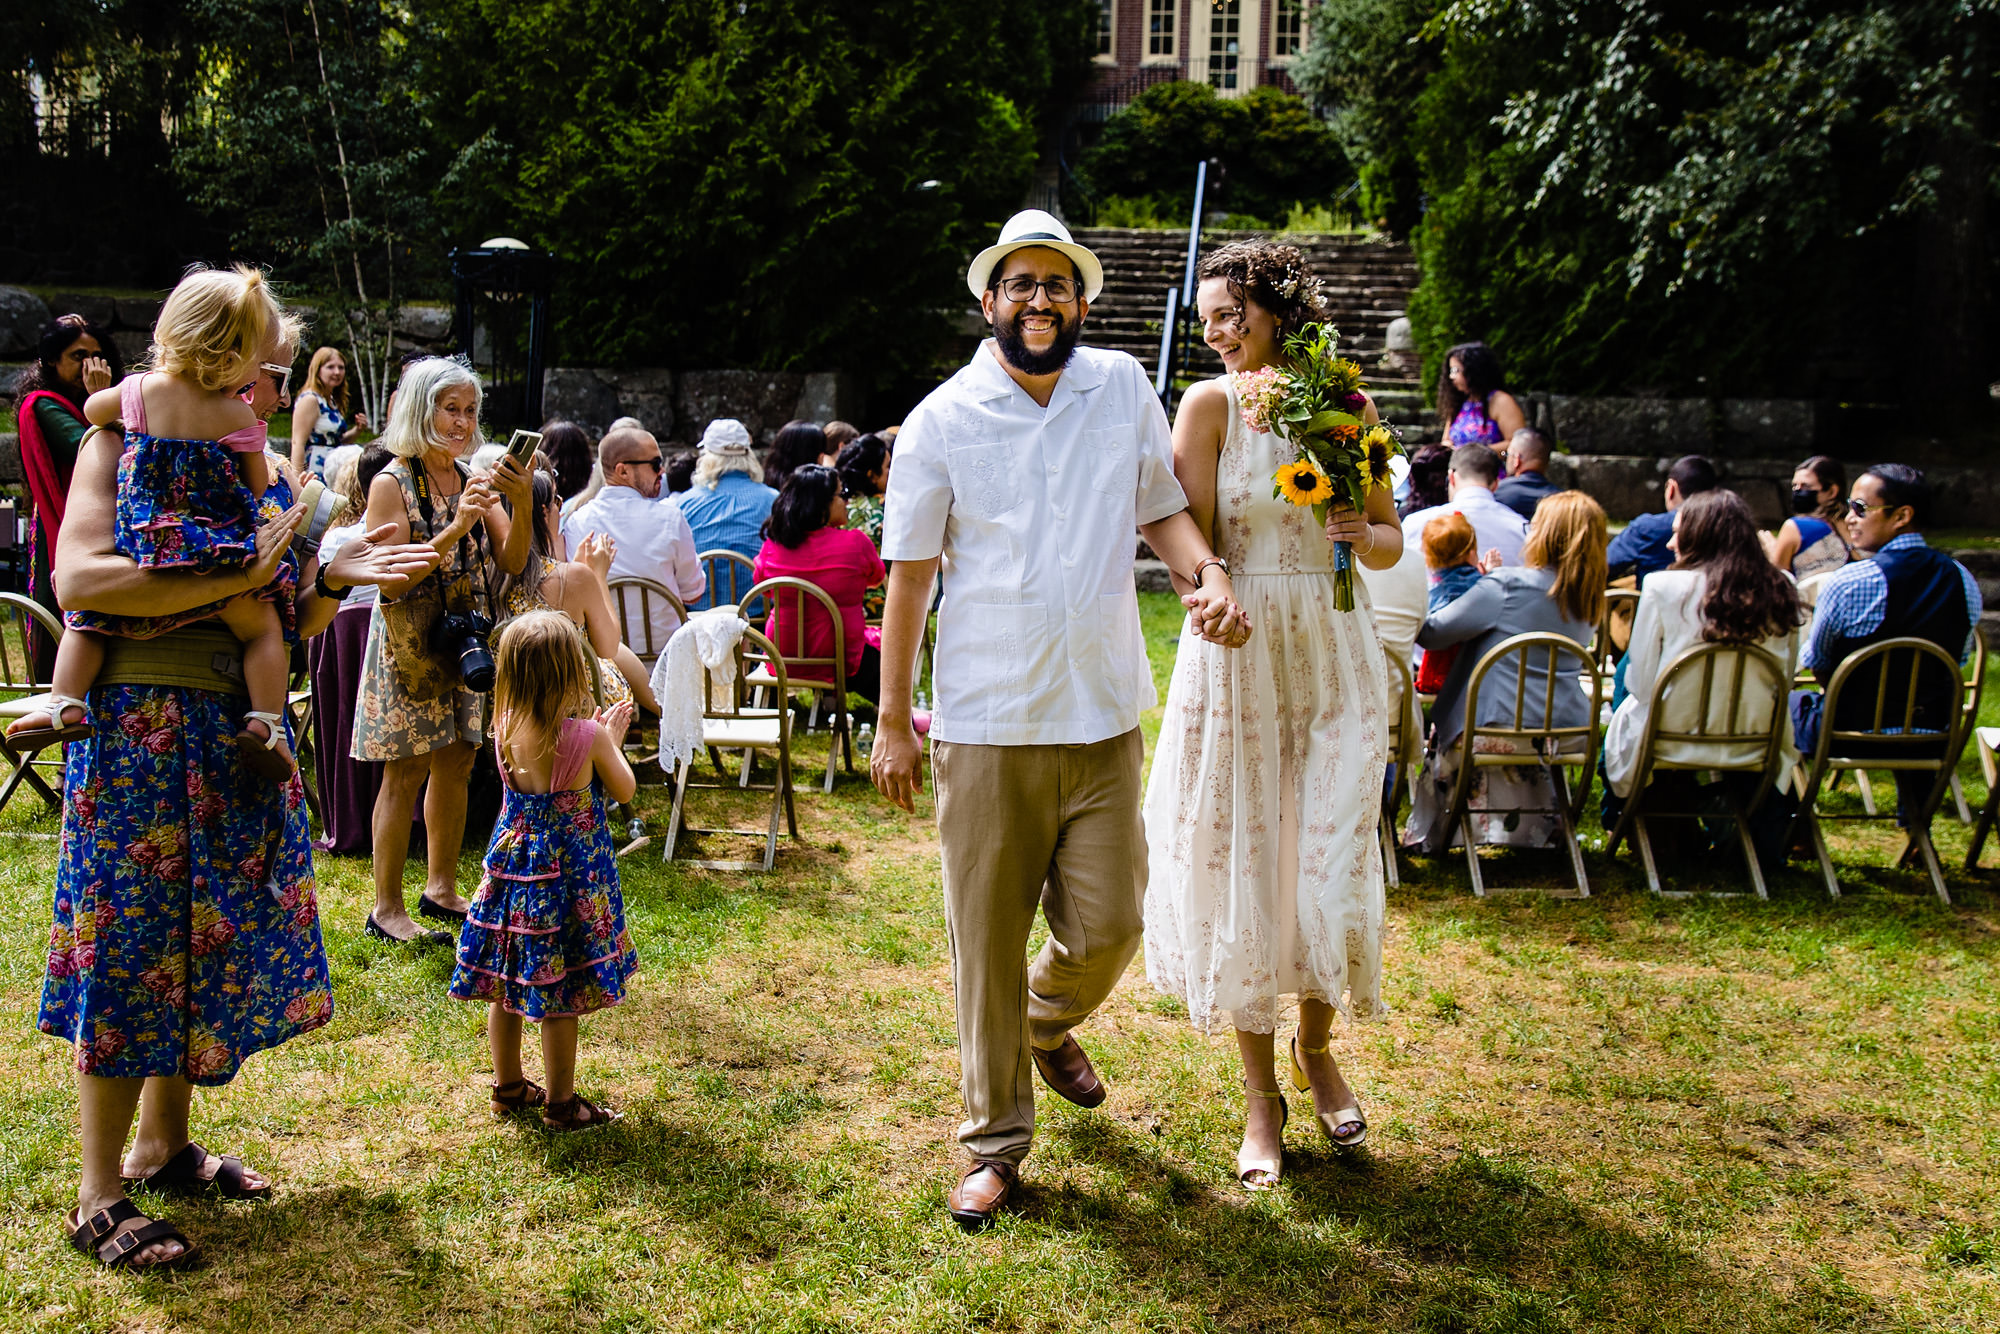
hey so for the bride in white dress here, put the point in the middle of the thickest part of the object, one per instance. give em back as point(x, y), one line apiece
point(1265, 872)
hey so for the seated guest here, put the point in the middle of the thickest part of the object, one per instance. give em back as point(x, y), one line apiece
point(1527, 474)
point(1428, 482)
point(798, 444)
point(864, 475)
point(808, 538)
point(1643, 545)
point(1474, 470)
point(1451, 560)
point(728, 504)
point(680, 472)
point(1909, 588)
point(838, 435)
point(649, 540)
point(1814, 540)
point(568, 448)
point(1718, 590)
point(1557, 588)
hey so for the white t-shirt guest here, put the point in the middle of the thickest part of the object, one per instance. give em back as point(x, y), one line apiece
point(651, 541)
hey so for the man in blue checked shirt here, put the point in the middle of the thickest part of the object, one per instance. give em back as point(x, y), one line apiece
point(1909, 588)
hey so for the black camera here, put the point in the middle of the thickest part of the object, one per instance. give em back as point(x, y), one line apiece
point(461, 637)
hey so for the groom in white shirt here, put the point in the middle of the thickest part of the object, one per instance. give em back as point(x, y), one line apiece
point(1023, 478)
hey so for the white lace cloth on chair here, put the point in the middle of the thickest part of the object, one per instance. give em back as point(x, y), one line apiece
point(706, 639)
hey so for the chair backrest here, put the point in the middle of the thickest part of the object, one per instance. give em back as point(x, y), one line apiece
point(1886, 698)
point(788, 598)
point(1620, 605)
point(1539, 676)
point(1975, 685)
point(632, 598)
point(17, 660)
point(1728, 699)
point(753, 650)
point(1809, 588)
point(728, 573)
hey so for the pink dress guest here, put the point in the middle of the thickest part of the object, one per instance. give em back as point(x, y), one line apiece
point(844, 563)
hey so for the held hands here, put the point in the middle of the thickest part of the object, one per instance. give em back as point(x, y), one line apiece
point(897, 763)
point(615, 720)
point(1213, 611)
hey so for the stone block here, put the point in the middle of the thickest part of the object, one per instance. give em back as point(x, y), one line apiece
point(649, 395)
point(10, 461)
point(1765, 485)
point(829, 396)
point(424, 324)
point(1767, 425)
point(1625, 486)
point(1666, 427)
point(97, 309)
point(138, 312)
point(133, 344)
point(581, 395)
point(762, 400)
point(22, 315)
point(1151, 576)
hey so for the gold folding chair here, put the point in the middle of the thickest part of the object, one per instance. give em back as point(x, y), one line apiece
point(299, 710)
point(728, 573)
point(1975, 689)
point(1621, 605)
point(1740, 693)
point(1900, 727)
point(1544, 745)
point(809, 673)
point(732, 726)
point(18, 615)
point(632, 598)
point(1988, 739)
point(1401, 736)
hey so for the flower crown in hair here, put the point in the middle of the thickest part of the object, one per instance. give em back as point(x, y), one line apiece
point(1299, 286)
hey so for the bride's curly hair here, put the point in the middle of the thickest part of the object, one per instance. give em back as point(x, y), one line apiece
point(1275, 276)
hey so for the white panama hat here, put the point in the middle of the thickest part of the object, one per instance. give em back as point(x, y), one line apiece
point(1032, 227)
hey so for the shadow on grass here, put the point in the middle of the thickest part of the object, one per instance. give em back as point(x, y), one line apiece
point(1471, 1244)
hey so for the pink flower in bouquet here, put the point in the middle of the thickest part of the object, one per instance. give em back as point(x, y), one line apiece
point(1259, 393)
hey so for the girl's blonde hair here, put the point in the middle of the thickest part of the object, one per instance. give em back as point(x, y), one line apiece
point(215, 325)
point(339, 397)
point(412, 430)
point(1568, 535)
point(538, 677)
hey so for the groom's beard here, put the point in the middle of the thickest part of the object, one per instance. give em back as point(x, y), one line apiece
point(1015, 348)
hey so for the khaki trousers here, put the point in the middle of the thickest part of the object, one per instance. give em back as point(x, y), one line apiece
point(1056, 826)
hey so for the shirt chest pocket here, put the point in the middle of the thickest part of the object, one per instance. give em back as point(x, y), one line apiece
point(1113, 467)
point(983, 481)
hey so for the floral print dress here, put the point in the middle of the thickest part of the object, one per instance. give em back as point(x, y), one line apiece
point(186, 933)
point(545, 935)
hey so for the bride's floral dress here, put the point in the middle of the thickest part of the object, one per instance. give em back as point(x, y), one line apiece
point(1265, 870)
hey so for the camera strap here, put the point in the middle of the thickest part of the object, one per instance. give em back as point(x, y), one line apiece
point(469, 546)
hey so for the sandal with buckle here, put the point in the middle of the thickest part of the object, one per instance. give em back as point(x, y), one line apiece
point(55, 730)
point(181, 1175)
point(261, 755)
point(106, 1238)
point(1263, 1173)
point(575, 1113)
point(526, 1094)
point(1346, 1128)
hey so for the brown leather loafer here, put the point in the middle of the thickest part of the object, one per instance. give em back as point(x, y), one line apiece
point(981, 1193)
point(1068, 1071)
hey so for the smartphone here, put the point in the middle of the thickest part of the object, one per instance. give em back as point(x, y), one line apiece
point(522, 446)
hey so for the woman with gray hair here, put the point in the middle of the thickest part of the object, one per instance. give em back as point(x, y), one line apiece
point(729, 503)
point(428, 495)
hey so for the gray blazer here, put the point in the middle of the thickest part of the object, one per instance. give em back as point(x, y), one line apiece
point(1513, 600)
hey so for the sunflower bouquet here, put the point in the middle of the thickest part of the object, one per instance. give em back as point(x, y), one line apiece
point(1314, 401)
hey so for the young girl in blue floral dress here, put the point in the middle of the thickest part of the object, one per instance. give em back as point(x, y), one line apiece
point(544, 937)
point(187, 498)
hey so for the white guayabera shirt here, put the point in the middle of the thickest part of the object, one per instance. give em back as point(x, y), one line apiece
point(1034, 511)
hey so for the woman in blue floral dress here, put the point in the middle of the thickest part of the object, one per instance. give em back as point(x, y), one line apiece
point(186, 931)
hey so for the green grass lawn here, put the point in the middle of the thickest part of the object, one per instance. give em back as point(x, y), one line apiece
point(1609, 1114)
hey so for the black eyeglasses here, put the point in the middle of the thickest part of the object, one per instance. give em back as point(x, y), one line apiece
point(1859, 508)
point(1022, 288)
point(654, 462)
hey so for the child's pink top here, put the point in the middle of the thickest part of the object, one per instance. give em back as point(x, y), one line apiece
point(573, 745)
point(132, 410)
point(844, 563)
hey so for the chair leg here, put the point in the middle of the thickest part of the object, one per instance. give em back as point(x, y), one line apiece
point(681, 775)
point(778, 794)
point(1958, 798)
point(1472, 862)
point(1560, 781)
point(1742, 818)
point(1922, 838)
point(1644, 843)
point(1820, 851)
point(1391, 873)
point(1983, 827)
point(1862, 781)
point(832, 760)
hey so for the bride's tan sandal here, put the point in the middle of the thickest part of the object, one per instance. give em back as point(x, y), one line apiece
point(1346, 1128)
point(1263, 1173)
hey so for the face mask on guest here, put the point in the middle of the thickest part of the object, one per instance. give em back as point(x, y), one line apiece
point(1805, 502)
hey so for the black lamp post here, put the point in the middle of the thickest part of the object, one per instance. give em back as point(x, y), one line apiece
point(502, 290)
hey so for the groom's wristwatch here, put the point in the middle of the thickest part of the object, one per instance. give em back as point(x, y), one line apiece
point(1201, 568)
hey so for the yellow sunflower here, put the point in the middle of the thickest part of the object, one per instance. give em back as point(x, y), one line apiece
point(1377, 448)
point(1303, 484)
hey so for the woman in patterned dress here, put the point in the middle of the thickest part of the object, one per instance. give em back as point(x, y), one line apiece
point(1266, 875)
point(430, 744)
point(186, 933)
point(1473, 404)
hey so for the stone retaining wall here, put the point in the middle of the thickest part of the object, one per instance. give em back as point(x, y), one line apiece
point(677, 406)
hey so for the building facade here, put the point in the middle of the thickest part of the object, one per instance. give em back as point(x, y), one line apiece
point(1231, 45)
